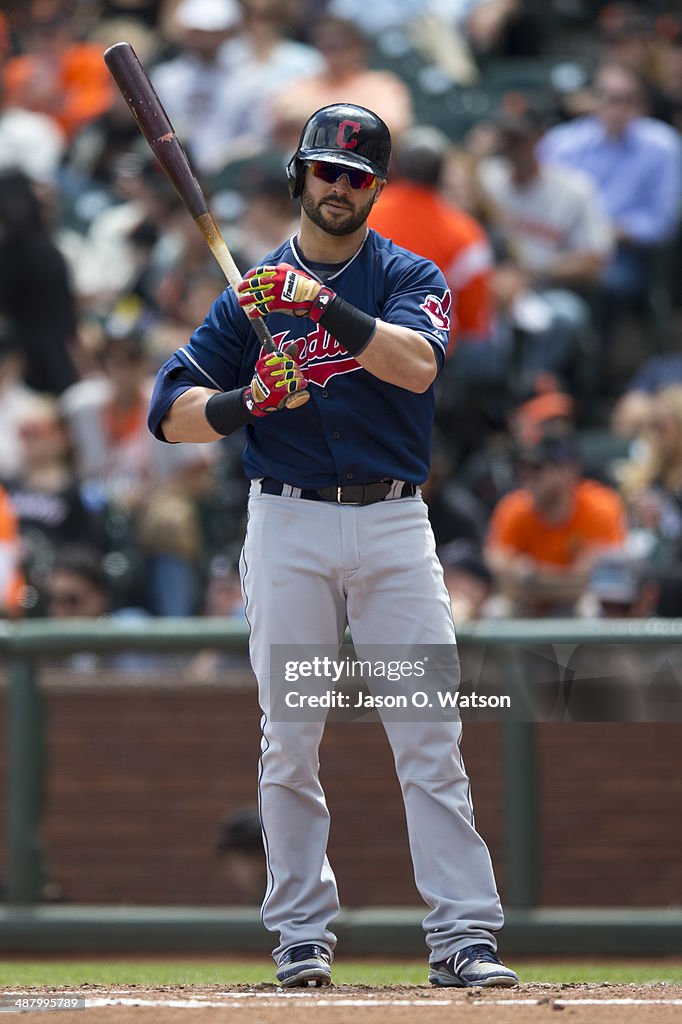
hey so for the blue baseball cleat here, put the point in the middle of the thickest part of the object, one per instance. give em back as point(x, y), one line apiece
point(473, 965)
point(307, 965)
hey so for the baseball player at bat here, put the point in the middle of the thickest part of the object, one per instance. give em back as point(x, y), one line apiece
point(338, 533)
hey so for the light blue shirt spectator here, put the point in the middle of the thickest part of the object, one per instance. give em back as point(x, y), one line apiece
point(383, 15)
point(638, 172)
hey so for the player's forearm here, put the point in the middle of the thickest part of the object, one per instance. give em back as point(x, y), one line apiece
point(186, 418)
point(400, 356)
point(547, 587)
point(573, 269)
point(202, 414)
point(522, 577)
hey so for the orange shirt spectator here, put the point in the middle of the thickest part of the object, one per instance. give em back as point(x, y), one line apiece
point(544, 538)
point(58, 76)
point(417, 218)
point(11, 576)
point(595, 520)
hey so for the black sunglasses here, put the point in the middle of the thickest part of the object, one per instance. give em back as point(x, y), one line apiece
point(332, 172)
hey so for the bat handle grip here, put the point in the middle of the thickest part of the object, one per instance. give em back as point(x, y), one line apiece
point(263, 334)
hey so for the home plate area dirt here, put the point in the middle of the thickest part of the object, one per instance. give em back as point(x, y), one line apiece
point(358, 1004)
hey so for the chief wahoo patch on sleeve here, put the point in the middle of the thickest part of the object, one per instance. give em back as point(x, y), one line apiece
point(438, 310)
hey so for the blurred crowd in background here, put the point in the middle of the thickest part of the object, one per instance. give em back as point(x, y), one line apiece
point(537, 161)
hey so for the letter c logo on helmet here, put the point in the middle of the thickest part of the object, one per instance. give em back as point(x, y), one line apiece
point(348, 140)
point(341, 133)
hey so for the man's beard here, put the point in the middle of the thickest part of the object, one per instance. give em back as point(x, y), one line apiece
point(346, 226)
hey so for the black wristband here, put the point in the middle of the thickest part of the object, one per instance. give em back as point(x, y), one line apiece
point(227, 412)
point(350, 326)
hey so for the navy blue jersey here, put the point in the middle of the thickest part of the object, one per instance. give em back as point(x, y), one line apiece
point(355, 428)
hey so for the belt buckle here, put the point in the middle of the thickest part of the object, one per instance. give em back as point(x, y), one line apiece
point(339, 498)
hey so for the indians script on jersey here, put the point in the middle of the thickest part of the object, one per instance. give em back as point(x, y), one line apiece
point(321, 357)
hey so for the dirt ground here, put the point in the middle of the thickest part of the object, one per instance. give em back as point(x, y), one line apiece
point(358, 1004)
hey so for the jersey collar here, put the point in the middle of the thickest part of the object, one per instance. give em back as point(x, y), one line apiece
point(292, 243)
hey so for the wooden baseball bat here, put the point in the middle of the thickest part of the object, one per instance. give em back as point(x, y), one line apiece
point(154, 123)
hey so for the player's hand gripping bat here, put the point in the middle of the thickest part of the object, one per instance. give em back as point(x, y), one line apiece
point(155, 125)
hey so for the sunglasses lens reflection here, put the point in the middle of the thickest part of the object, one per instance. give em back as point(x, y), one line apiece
point(332, 172)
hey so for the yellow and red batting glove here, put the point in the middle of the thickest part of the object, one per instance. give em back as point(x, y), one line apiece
point(283, 289)
point(277, 375)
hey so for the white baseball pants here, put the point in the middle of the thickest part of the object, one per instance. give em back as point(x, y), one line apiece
point(308, 568)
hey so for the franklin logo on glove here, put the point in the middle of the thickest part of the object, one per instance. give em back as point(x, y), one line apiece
point(259, 388)
point(289, 289)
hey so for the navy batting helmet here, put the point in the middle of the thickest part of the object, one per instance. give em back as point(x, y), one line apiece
point(341, 133)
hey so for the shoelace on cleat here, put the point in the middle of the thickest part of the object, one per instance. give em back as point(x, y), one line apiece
point(469, 953)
